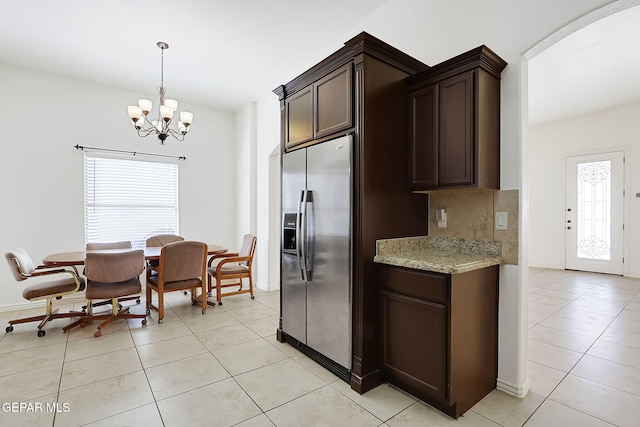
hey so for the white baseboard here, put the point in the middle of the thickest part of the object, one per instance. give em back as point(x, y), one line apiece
point(513, 389)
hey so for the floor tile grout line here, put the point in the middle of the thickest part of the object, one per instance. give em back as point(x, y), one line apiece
point(64, 356)
point(548, 397)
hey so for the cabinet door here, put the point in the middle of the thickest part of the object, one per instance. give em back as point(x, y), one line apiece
point(456, 139)
point(333, 102)
point(299, 117)
point(414, 334)
point(423, 138)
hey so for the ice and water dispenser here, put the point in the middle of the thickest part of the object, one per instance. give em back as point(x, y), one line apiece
point(289, 233)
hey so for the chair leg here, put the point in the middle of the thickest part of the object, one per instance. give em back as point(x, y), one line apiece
point(50, 314)
point(251, 287)
point(160, 307)
point(148, 301)
point(203, 297)
point(120, 314)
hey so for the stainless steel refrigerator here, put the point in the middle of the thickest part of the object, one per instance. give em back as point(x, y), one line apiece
point(317, 252)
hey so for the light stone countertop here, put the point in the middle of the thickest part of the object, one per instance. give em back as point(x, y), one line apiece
point(439, 254)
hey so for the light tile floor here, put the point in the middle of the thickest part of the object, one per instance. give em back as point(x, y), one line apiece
point(225, 368)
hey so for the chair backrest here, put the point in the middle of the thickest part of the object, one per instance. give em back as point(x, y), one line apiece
point(162, 239)
point(248, 247)
point(20, 263)
point(183, 260)
point(95, 246)
point(114, 267)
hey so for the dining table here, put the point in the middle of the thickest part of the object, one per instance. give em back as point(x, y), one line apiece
point(72, 258)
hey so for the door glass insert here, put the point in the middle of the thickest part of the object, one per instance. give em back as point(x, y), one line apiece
point(594, 210)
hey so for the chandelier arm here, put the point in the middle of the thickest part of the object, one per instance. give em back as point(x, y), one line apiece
point(146, 131)
point(177, 135)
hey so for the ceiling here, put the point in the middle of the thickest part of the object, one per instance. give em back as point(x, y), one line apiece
point(595, 68)
point(222, 53)
point(226, 53)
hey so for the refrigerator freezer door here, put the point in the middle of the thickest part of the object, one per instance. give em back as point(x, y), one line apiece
point(293, 289)
point(329, 180)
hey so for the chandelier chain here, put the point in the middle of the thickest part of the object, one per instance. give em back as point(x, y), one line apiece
point(162, 66)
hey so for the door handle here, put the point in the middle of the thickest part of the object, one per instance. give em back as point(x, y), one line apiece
point(299, 237)
point(303, 230)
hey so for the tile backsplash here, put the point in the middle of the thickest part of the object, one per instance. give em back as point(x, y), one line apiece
point(471, 215)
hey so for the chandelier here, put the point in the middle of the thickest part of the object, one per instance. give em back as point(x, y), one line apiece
point(161, 127)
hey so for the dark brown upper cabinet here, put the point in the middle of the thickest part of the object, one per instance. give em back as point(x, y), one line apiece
point(320, 109)
point(454, 123)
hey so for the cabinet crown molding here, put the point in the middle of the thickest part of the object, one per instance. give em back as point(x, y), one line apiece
point(481, 56)
point(361, 43)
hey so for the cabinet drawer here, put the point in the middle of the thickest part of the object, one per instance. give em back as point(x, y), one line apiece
point(414, 283)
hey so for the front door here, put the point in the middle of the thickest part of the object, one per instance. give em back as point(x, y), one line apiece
point(594, 212)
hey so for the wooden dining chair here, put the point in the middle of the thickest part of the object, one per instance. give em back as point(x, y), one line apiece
point(112, 275)
point(182, 266)
point(232, 267)
point(158, 241)
point(62, 281)
point(97, 246)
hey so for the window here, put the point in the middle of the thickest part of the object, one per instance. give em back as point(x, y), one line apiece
point(127, 198)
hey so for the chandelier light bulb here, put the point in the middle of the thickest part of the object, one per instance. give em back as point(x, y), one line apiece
point(166, 113)
point(186, 117)
point(171, 103)
point(134, 112)
point(145, 105)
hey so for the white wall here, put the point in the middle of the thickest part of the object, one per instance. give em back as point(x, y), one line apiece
point(609, 130)
point(268, 217)
point(245, 158)
point(41, 175)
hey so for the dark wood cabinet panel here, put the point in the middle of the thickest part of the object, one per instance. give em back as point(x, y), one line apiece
point(455, 120)
point(454, 123)
point(423, 137)
point(424, 325)
point(333, 102)
point(299, 118)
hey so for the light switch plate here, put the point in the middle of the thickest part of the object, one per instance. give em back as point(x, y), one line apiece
point(501, 220)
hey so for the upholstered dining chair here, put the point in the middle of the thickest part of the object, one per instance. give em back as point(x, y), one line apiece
point(233, 267)
point(158, 241)
point(162, 239)
point(183, 266)
point(96, 246)
point(112, 275)
point(63, 281)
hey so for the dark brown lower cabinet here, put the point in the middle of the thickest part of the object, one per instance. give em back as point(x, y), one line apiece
point(439, 334)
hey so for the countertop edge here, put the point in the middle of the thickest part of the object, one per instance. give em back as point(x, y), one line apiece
point(425, 265)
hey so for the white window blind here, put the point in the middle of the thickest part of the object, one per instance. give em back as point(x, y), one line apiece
point(129, 198)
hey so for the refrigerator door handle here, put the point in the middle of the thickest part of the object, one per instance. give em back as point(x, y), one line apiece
point(303, 231)
point(299, 238)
